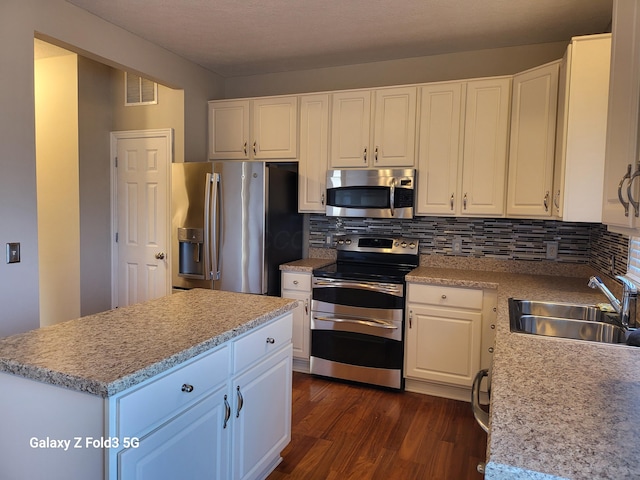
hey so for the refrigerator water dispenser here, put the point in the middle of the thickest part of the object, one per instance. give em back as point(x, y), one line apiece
point(191, 261)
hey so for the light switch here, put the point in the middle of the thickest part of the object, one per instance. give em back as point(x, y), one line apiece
point(13, 252)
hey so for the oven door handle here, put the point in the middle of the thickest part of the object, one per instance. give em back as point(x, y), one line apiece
point(368, 322)
point(392, 288)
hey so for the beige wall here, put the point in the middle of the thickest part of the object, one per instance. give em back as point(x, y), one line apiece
point(95, 114)
point(61, 23)
point(167, 113)
point(454, 66)
point(56, 114)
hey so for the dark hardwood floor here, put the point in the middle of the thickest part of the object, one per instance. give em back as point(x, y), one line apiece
point(342, 431)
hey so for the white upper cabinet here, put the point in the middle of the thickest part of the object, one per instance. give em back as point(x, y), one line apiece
point(314, 155)
point(621, 154)
point(583, 100)
point(462, 156)
point(350, 125)
point(260, 129)
point(439, 158)
point(531, 149)
point(486, 129)
point(380, 137)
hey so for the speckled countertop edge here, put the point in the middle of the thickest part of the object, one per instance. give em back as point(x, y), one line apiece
point(559, 408)
point(106, 353)
point(305, 265)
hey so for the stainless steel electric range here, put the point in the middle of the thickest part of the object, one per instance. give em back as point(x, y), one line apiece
point(357, 310)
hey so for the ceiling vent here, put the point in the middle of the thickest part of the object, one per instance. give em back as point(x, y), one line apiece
point(139, 90)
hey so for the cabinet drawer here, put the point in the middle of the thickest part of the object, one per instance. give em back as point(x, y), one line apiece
point(163, 398)
point(259, 343)
point(445, 296)
point(296, 281)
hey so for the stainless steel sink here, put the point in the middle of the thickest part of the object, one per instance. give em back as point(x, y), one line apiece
point(565, 320)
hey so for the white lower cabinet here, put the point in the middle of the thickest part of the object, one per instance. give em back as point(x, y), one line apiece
point(224, 415)
point(447, 329)
point(297, 286)
point(192, 445)
point(262, 416)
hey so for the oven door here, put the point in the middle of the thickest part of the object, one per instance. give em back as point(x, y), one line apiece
point(357, 331)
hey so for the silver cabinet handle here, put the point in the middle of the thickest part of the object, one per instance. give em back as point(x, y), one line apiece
point(187, 388)
point(635, 203)
point(410, 318)
point(322, 199)
point(546, 202)
point(306, 305)
point(375, 154)
point(160, 256)
point(227, 412)
point(365, 155)
point(271, 341)
point(244, 148)
point(240, 401)
point(451, 202)
point(626, 176)
point(479, 414)
point(490, 349)
point(556, 199)
point(255, 142)
point(464, 201)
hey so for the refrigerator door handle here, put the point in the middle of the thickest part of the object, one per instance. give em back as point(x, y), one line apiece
point(210, 231)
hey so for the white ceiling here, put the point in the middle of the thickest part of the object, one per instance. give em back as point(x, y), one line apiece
point(246, 37)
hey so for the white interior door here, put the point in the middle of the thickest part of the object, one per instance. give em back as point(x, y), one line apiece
point(141, 215)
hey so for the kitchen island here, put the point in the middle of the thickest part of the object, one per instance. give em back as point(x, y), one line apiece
point(559, 408)
point(150, 388)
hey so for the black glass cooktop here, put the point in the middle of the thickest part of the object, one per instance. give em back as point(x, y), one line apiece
point(364, 272)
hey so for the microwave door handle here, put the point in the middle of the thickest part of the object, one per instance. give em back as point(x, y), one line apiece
point(392, 195)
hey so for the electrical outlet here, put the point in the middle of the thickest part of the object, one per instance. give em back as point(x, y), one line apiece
point(552, 250)
point(456, 245)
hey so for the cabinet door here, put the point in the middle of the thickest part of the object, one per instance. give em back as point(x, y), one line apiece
point(193, 445)
point(229, 130)
point(582, 129)
point(261, 415)
point(531, 151)
point(485, 147)
point(439, 149)
point(314, 155)
point(443, 345)
point(350, 124)
point(622, 123)
point(301, 325)
point(275, 128)
point(395, 127)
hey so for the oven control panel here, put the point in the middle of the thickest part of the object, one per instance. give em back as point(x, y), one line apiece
point(365, 243)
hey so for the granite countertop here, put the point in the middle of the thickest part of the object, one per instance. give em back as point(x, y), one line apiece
point(306, 264)
point(106, 353)
point(560, 408)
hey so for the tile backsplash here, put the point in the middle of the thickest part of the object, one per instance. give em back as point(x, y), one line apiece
point(497, 238)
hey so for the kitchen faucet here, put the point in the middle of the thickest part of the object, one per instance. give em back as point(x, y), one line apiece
point(627, 308)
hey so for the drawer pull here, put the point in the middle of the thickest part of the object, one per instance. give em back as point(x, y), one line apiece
point(490, 349)
point(493, 327)
point(444, 296)
point(240, 401)
point(227, 412)
point(271, 340)
point(187, 388)
point(295, 282)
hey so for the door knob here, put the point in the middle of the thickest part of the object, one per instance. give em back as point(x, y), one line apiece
point(160, 256)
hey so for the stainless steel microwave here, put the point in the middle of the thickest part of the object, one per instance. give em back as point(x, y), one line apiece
point(387, 193)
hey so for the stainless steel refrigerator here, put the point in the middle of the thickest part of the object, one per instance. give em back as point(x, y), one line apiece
point(233, 224)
